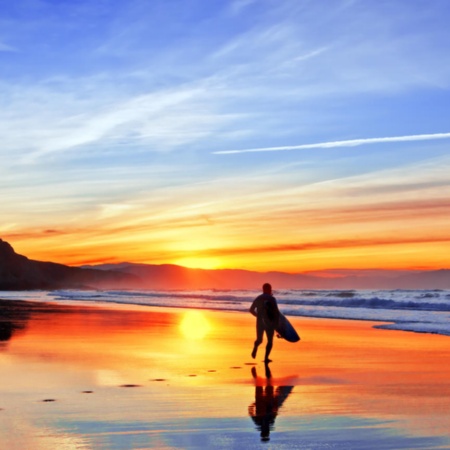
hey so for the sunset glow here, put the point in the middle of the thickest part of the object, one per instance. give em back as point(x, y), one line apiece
point(199, 263)
point(284, 136)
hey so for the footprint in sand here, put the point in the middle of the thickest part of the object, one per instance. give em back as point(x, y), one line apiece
point(158, 379)
point(236, 367)
point(46, 400)
point(212, 370)
point(87, 392)
point(250, 364)
point(192, 375)
point(130, 385)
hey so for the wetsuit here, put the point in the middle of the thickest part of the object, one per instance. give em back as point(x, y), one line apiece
point(265, 308)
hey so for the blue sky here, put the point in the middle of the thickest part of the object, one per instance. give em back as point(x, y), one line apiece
point(115, 110)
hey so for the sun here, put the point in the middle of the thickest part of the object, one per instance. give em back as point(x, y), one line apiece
point(194, 325)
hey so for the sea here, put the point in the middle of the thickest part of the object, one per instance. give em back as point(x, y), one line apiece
point(420, 311)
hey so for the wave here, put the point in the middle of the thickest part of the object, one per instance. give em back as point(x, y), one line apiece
point(374, 303)
point(411, 300)
point(426, 311)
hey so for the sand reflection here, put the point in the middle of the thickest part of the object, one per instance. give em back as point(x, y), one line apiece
point(151, 387)
point(194, 325)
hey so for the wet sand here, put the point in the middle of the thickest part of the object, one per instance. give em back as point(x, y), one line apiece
point(120, 377)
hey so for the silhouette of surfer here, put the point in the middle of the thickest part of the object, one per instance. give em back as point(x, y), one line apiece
point(268, 401)
point(265, 309)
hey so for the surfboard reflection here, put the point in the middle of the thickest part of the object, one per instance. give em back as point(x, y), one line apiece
point(267, 404)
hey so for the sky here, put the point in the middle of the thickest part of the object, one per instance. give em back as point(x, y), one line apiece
point(290, 135)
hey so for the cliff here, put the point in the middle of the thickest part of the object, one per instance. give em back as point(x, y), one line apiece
point(17, 272)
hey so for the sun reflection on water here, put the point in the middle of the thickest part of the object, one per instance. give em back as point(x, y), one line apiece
point(194, 325)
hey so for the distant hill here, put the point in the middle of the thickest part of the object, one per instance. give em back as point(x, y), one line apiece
point(168, 276)
point(17, 272)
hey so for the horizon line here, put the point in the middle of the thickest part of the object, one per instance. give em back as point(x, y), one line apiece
point(306, 272)
point(344, 143)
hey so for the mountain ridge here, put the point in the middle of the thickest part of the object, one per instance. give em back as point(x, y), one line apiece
point(171, 276)
point(17, 272)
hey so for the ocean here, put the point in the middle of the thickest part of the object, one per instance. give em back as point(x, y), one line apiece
point(421, 311)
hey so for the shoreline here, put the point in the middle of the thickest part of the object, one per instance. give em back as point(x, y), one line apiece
point(417, 311)
point(115, 376)
point(388, 325)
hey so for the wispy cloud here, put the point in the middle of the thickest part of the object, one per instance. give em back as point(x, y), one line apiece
point(59, 120)
point(238, 6)
point(327, 245)
point(279, 59)
point(7, 48)
point(119, 113)
point(345, 143)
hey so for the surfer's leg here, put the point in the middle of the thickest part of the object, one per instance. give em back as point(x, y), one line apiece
point(259, 337)
point(269, 332)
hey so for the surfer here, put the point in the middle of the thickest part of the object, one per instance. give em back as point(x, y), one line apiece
point(265, 309)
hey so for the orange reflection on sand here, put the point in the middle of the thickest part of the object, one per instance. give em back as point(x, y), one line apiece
point(112, 344)
point(357, 369)
point(339, 368)
point(194, 325)
point(130, 345)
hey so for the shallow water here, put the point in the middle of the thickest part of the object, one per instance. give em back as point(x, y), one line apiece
point(424, 311)
point(89, 378)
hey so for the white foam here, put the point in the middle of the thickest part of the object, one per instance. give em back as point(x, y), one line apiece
point(419, 311)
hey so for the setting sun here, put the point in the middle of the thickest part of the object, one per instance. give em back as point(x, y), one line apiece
point(194, 325)
point(199, 263)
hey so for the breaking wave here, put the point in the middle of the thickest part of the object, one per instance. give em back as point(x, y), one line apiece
point(425, 311)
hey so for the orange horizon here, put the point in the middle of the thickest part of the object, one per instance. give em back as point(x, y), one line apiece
point(323, 261)
point(382, 220)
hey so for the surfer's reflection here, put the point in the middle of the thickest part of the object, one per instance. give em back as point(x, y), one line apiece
point(268, 401)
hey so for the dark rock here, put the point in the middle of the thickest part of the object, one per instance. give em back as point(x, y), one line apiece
point(17, 272)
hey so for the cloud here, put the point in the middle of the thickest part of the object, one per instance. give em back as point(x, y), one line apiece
point(323, 245)
point(66, 116)
point(375, 49)
point(275, 71)
point(345, 143)
point(237, 6)
point(7, 48)
point(121, 132)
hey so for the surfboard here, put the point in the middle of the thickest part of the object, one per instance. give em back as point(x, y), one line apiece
point(286, 330)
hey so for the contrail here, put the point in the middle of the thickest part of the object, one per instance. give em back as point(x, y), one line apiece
point(348, 143)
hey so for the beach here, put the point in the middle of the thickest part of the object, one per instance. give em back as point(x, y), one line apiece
point(103, 376)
